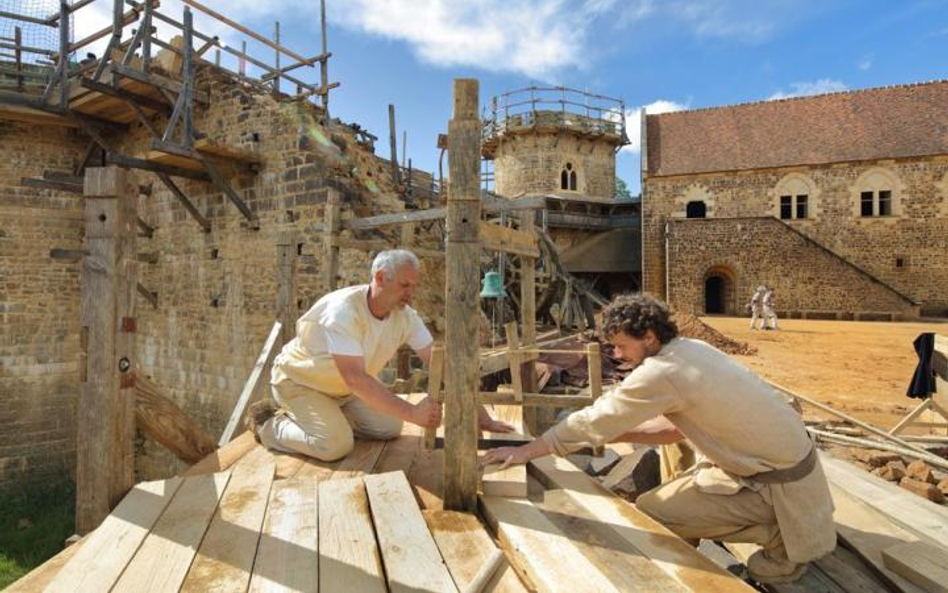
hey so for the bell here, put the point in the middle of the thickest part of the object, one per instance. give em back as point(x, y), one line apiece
point(493, 286)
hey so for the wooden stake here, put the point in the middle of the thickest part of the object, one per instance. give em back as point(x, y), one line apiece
point(461, 292)
point(594, 365)
point(105, 457)
point(286, 312)
point(435, 372)
point(513, 355)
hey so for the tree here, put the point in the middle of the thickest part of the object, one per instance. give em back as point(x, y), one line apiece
point(622, 190)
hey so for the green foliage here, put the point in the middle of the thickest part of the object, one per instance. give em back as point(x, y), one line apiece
point(622, 190)
point(34, 525)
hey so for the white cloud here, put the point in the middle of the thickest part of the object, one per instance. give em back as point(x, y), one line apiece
point(743, 20)
point(818, 87)
point(865, 63)
point(535, 38)
point(633, 120)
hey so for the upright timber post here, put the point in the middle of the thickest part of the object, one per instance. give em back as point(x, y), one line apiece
point(461, 300)
point(528, 319)
point(105, 413)
point(286, 312)
point(332, 226)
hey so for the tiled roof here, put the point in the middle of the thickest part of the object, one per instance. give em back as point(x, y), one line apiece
point(888, 122)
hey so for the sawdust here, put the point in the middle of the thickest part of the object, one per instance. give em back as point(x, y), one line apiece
point(690, 326)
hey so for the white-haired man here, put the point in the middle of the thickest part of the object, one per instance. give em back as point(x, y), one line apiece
point(324, 380)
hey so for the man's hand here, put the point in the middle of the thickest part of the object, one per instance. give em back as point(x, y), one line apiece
point(507, 456)
point(426, 413)
point(490, 425)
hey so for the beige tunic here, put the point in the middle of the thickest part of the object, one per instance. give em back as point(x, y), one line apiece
point(735, 419)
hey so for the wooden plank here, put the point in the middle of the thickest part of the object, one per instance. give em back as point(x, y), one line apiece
point(40, 577)
point(538, 549)
point(620, 561)
point(105, 456)
point(672, 554)
point(163, 559)
point(164, 422)
point(161, 157)
point(513, 356)
point(208, 146)
point(494, 237)
point(915, 514)
point(462, 279)
point(226, 556)
point(814, 579)
point(850, 573)
point(919, 562)
point(868, 533)
point(465, 546)
point(287, 557)
point(510, 481)
point(411, 557)
point(109, 548)
point(360, 461)
point(435, 374)
point(255, 382)
point(347, 549)
point(624, 468)
point(497, 361)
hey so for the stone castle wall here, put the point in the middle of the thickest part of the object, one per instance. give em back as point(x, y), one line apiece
point(904, 250)
point(532, 163)
point(216, 291)
point(807, 280)
point(39, 305)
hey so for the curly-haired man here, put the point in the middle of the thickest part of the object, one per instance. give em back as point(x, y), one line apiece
point(758, 479)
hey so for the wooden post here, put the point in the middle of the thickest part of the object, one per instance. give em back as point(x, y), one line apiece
point(461, 298)
point(105, 429)
point(435, 374)
point(393, 143)
point(594, 366)
point(324, 64)
point(18, 57)
point(528, 321)
point(513, 355)
point(286, 312)
point(276, 63)
point(331, 265)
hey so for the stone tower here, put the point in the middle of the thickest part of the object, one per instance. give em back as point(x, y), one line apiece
point(554, 140)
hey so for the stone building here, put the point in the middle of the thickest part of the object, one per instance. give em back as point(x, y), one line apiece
point(838, 201)
point(561, 144)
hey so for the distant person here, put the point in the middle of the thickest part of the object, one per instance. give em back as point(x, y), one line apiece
point(756, 306)
point(770, 316)
point(324, 380)
point(759, 477)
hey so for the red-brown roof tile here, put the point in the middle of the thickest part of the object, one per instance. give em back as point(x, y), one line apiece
point(888, 122)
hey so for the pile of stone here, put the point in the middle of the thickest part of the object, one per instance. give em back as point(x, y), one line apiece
point(916, 477)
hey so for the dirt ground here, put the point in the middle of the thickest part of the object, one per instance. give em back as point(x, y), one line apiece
point(858, 367)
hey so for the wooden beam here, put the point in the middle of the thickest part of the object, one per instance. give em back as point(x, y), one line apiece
point(528, 320)
point(105, 419)
point(332, 215)
point(183, 199)
point(920, 563)
point(125, 95)
point(411, 557)
point(382, 220)
point(510, 481)
point(164, 422)
point(228, 191)
point(513, 356)
point(497, 238)
point(286, 312)
point(75, 188)
point(129, 162)
point(255, 382)
point(158, 81)
point(536, 399)
point(224, 457)
point(461, 296)
point(148, 295)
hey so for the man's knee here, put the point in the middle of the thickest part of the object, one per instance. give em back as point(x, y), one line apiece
point(381, 428)
point(333, 447)
point(648, 503)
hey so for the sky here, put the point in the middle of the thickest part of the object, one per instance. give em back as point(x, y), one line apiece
point(664, 55)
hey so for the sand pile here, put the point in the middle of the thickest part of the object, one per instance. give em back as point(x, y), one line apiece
point(690, 326)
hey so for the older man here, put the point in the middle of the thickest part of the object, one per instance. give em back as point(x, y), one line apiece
point(759, 479)
point(324, 380)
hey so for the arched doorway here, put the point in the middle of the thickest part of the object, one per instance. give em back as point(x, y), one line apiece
point(719, 296)
point(696, 209)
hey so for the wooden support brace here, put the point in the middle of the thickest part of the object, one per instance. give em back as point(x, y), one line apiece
point(286, 312)
point(150, 296)
point(513, 355)
point(164, 422)
point(228, 191)
point(254, 382)
point(435, 374)
point(192, 210)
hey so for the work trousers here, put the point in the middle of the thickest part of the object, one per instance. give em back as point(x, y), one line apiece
point(320, 425)
point(692, 514)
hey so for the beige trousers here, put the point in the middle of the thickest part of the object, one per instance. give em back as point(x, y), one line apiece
point(322, 426)
point(692, 514)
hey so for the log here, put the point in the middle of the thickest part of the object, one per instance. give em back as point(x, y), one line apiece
point(164, 422)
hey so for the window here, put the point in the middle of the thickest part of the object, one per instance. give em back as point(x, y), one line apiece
point(793, 207)
point(801, 206)
point(900, 262)
point(876, 203)
point(865, 202)
point(568, 178)
point(696, 209)
point(786, 207)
